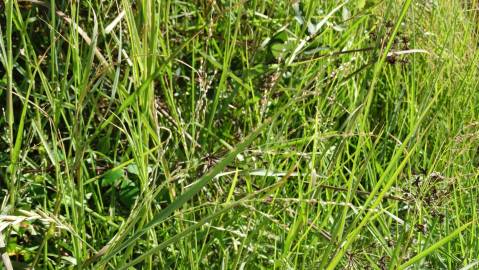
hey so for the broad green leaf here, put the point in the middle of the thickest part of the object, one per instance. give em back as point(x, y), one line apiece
point(111, 177)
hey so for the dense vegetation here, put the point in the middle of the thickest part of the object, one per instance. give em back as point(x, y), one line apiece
point(239, 134)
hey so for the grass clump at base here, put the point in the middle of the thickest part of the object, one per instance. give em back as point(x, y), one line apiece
point(239, 134)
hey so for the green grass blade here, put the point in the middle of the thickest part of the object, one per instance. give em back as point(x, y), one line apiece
point(188, 194)
point(434, 247)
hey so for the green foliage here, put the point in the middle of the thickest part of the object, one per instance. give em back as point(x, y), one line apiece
point(239, 134)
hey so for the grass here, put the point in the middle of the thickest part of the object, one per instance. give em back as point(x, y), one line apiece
point(239, 134)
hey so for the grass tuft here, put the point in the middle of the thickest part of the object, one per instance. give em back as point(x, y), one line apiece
point(239, 134)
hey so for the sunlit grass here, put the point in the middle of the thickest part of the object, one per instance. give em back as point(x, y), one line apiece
point(239, 134)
